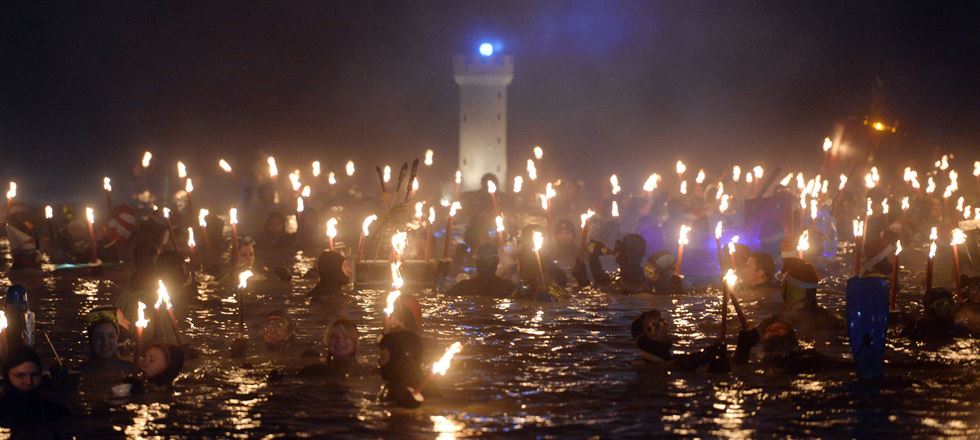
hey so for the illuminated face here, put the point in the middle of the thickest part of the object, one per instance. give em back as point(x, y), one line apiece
point(751, 274)
point(565, 237)
point(246, 255)
point(26, 377)
point(275, 331)
point(154, 363)
point(341, 345)
point(104, 340)
point(656, 329)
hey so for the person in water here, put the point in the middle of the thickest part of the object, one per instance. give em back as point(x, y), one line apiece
point(20, 325)
point(652, 334)
point(486, 282)
point(161, 364)
point(564, 250)
point(528, 264)
point(104, 363)
point(401, 367)
point(756, 280)
point(21, 404)
point(334, 275)
point(278, 331)
point(781, 348)
point(800, 308)
point(629, 254)
point(660, 271)
point(340, 339)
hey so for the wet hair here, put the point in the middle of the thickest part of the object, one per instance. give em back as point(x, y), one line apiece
point(330, 266)
point(343, 327)
point(765, 262)
point(99, 316)
point(404, 358)
point(175, 362)
point(18, 356)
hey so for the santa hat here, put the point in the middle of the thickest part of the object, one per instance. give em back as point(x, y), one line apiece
point(121, 225)
point(799, 273)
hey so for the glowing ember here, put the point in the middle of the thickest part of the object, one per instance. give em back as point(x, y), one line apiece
point(90, 215)
point(106, 184)
point(428, 157)
point(224, 165)
point(442, 366)
point(243, 279)
point(682, 237)
point(538, 152)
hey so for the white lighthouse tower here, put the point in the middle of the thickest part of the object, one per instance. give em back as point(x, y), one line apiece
point(483, 80)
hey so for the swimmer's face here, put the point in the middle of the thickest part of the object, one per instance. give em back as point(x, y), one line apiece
point(246, 255)
point(776, 329)
point(104, 340)
point(656, 329)
point(26, 377)
point(154, 362)
point(275, 331)
point(341, 345)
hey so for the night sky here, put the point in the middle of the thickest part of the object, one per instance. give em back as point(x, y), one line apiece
point(86, 86)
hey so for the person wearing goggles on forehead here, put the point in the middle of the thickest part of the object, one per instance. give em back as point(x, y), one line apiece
point(799, 285)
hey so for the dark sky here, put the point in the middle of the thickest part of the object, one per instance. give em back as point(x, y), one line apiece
point(86, 86)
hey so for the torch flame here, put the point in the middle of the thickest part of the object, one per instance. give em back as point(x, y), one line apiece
point(758, 171)
point(932, 250)
point(419, 210)
point(813, 209)
point(442, 365)
point(682, 237)
point(930, 186)
point(749, 177)
point(858, 227)
point(898, 247)
point(491, 187)
point(684, 187)
point(202, 218)
point(386, 174)
point(959, 237)
point(147, 157)
point(500, 223)
point(349, 168)
point(518, 184)
point(428, 157)
point(48, 212)
point(532, 171)
point(233, 216)
point(799, 181)
point(700, 177)
point(651, 183)
point(90, 215)
point(718, 230)
point(300, 206)
point(615, 209)
point(454, 208)
point(944, 162)
point(537, 240)
point(843, 182)
point(868, 210)
point(12, 192)
point(163, 297)
point(190, 238)
point(243, 279)
point(723, 206)
point(730, 279)
point(166, 212)
point(614, 183)
point(803, 244)
point(332, 228)
point(307, 190)
point(731, 245)
point(181, 170)
point(397, 282)
point(976, 168)
point(224, 165)
point(586, 217)
point(3, 321)
point(432, 215)
point(538, 152)
point(680, 168)
point(106, 184)
point(399, 242)
point(737, 175)
point(294, 180)
point(141, 322)
point(189, 186)
point(332, 178)
point(315, 167)
point(827, 144)
point(905, 203)
point(273, 168)
point(884, 206)
point(390, 302)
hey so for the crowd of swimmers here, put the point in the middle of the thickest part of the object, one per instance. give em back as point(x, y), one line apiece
point(779, 287)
